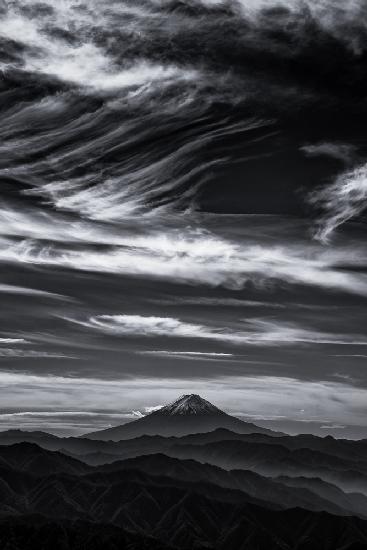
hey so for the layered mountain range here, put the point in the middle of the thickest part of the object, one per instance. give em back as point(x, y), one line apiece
point(219, 489)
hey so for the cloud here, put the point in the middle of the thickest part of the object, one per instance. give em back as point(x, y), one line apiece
point(190, 355)
point(237, 302)
point(152, 409)
point(15, 353)
point(252, 332)
point(71, 422)
point(12, 289)
point(50, 414)
point(360, 356)
point(84, 64)
point(138, 325)
point(13, 341)
point(189, 256)
point(341, 201)
point(26, 352)
point(332, 427)
point(217, 302)
point(340, 151)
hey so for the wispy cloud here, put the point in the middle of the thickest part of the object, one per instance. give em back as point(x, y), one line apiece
point(341, 201)
point(190, 355)
point(252, 332)
point(357, 355)
point(340, 151)
point(13, 341)
point(153, 408)
point(332, 427)
point(237, 302)
point(12, 289)
point(217, 302)
point(17, 353)
point(56, 414)
point(184, 256)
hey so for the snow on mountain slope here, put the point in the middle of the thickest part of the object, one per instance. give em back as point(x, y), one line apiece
point(187, 405)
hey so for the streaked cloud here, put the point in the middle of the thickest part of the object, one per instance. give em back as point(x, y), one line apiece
point(58, 413)
point(13, 341)
point(154, 408)
point(332, 427)
point(186, 256)
point(190, 355)
point(217, 302)
point(17, 353)
point(341, 201)
point(251, 332)
point(340, 151)
point(357, 355)
point(13, 289)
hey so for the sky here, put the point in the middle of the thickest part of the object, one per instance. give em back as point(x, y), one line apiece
point(183, 187)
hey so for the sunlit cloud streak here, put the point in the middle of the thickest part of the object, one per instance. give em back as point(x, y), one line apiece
point(84, 64)
point(13, 289)
point(189, 355)
point(191, 256)
point(254, 332)
point(13, 341)
point(341, 201)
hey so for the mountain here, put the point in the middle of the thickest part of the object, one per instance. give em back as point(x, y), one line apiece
point(342, 463)
point(308, 493)
point(187, 415)
point(160, 503)
point(274, 460)
point(33, 459)
point(191, 404)
point(36, 532)
point(355, 452)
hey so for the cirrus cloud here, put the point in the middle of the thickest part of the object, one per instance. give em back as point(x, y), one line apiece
point(252, 332)
point(341, 201)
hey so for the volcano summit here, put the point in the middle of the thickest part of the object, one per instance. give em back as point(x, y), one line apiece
point(188, 414)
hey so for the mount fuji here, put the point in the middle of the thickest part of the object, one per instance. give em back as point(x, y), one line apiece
point(187, 415)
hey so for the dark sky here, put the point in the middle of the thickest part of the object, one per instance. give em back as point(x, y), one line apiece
point(182, 200)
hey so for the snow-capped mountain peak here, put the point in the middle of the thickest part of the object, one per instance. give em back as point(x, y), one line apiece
point(191, 404)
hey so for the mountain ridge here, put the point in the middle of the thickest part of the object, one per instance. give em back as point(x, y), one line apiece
point(144, 499)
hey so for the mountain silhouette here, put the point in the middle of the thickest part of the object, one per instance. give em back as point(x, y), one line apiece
point(157, 502)
point(187, 415)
